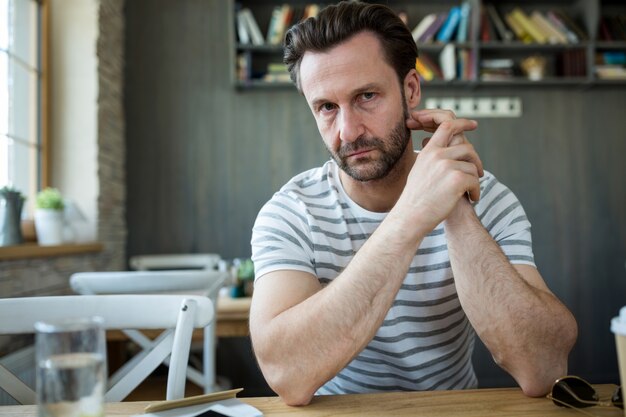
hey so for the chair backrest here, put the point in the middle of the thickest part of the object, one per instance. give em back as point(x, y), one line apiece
point(177, 314)
point(175, 261)
point(197, 282)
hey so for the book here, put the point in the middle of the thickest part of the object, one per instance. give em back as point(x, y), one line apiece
point(517, 29)
point(424, 72)
point(611, 57)
point(432, 65)
point(423, 24)
point(244, 67)
point(253, 27)
point(611, 72)
point(461, 34)
point(487, 32)
point(430, 32)
point(572, 25)
point(618, 32)
point(603, 31)
point(310, 10)
point(242, 29)
point(529, 27)
point(447, 61)
point(552, 34)
point(463, 66)
point(558, 23)
point(274, 26)
point(503, 32)
point(499, 69)
point(450, 25)
point(277, 72)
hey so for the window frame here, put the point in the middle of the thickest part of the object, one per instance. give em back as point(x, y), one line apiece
point(39, 171)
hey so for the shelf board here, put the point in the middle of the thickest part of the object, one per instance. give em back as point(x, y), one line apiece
point(611, 45)
point(616, 81)
point(438, 46)
point(551, 81)
point(264, 85)
point(506, 46)
point(32, 250)
point(547, 82)
point(270, 49)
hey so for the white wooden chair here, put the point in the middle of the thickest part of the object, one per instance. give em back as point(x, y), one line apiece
point(178, 315)
point(197, 282)
point(175, 261)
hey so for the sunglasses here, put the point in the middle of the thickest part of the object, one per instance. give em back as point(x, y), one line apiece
point(575, 392)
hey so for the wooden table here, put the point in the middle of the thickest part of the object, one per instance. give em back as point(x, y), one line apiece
point(501, 402)
point(232, 321)
point(232, 317)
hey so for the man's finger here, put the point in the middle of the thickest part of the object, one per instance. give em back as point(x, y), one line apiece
point(429, 119)
point(448, 129)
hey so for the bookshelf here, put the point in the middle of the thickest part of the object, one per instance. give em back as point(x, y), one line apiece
point(589, 55)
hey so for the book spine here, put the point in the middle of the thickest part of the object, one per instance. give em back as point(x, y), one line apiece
point(445, 34)
point(498, 23)
point(447, 61)
point(528, 25)
point(484, 26)
point(274, 26)
point(517, 29)
point(242, 30)
point(557, 22)
point(432, 29)
point(461, 34)
point(555, 34)
point(573, 26)
point(423, 70)
point(421, 27)
point(253, 27)
point(427, 61)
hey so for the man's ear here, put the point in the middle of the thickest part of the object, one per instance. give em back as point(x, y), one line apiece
point(412, 92)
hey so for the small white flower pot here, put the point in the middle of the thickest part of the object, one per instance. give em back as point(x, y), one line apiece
point(49, 225)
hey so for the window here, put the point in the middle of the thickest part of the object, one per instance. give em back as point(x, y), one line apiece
point(22, 150)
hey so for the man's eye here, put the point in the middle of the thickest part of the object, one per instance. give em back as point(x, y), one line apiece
point(326, 107)
point(368, 96)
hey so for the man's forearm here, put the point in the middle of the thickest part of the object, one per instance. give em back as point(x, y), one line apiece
point(527, 329)
point(320, 335)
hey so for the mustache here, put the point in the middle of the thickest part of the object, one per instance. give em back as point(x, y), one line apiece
point(357, 145)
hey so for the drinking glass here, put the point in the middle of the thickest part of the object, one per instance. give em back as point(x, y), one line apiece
point(71, 368)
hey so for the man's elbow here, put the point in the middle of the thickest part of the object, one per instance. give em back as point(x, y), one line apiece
point(540, 376)
point(295, 398)
point(293, 391)
point(536, 387)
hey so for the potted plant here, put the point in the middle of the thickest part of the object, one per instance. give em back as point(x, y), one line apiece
point(49, 222)
point(11, 203)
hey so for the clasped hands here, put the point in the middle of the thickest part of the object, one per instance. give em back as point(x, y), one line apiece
point(446, 170)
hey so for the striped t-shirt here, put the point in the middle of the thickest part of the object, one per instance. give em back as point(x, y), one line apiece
point(426, 340)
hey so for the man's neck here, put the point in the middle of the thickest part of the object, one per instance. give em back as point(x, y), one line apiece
point(380, 195)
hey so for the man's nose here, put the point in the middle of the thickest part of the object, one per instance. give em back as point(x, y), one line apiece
point(351, 125)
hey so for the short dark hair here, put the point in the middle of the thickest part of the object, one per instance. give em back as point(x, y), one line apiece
point(337, 23)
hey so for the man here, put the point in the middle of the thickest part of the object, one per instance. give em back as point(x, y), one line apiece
point(374, 271)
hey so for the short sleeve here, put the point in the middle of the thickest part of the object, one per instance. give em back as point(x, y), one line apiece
point(281, 237)
point(503, 216)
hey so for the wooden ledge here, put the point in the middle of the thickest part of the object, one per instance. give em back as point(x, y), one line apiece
point(32, 250)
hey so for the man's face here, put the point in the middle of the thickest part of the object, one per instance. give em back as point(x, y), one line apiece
point(359, 106)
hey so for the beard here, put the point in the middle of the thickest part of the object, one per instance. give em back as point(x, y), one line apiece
point(390, 149)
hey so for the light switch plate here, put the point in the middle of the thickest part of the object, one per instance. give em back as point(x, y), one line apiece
point(479, 106)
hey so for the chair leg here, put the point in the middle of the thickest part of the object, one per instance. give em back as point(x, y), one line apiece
point(209, 359)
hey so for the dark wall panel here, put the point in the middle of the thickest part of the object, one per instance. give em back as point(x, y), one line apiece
point(202, 158)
